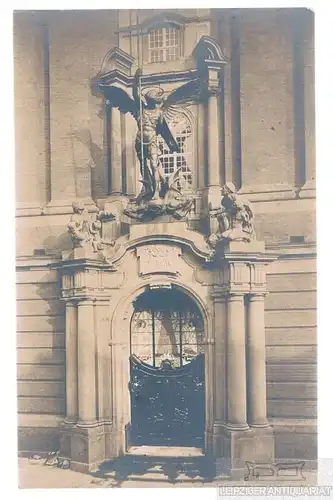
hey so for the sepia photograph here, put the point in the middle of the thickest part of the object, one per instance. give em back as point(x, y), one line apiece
point(166, 248)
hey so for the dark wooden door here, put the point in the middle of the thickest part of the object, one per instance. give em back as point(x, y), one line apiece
point(167, 403)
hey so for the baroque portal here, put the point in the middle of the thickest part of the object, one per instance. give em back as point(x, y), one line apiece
point(157, 243)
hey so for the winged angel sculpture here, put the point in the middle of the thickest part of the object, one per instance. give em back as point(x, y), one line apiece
point(152, 111)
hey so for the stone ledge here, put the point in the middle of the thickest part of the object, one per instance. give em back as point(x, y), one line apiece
point(35, 420)
point(255, 246)
point(38, 439)
point(268, 192)
point(299, 426)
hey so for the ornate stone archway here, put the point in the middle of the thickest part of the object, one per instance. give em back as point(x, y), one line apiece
point(121, 316)
point(230, 294)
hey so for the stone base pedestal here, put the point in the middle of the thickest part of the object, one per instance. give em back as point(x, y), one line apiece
point(233, 448)
point(86, 448)
point(82, 253)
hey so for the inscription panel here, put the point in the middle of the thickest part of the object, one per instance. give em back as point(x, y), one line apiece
point(158, 259)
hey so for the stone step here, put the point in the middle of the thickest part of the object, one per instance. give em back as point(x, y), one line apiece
point(158, 477)
point(165, 451)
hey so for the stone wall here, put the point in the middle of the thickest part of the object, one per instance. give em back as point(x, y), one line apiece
point(291, 352)
point(30, 119)
point(55, 56)
point(40, 355)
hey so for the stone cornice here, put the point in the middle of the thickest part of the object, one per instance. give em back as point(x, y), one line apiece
point(290, 252)
point(207, 52)
point(160, 19)
point(117, 76)
point(117, 57)
point(30, 262)
point(208, 60)
point(199, 249)
point(250, 257)
point(76, 265)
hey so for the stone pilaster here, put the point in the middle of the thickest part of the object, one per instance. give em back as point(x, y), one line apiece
point(116, 156)
point(219, 356)
point(86, 435)
point(256, 359)
point(213, 139)
point(309, 106)
point(237, 414)
point(132, 165)
point(220, 325)
point(104, 378)
point(71, 363)
point(228, 98)
point(31, 102)
point(245, 435)
point(210, 62)
point(86, 364)
point(210, 392)
point(202, 146)
point(213, 134)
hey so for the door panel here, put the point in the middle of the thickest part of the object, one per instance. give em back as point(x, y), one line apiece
point(167, 404)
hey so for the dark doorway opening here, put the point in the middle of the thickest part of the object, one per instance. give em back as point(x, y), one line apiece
point(167, 371)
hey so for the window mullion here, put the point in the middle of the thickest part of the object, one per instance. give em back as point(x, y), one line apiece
point(164, 45)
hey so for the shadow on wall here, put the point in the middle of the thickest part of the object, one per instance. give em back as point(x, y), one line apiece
point(55, 244)
point(54, 315)
point(96, 163)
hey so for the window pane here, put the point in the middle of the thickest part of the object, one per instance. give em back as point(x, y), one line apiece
point(172, 161)
point(167, 40)
point(156, 38)
point(172, 37)
point(172, 54)
point(173, 330)
point(156, 56)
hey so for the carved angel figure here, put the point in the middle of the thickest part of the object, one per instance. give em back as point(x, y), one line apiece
point(86, 231)
point(78, 226)
point(151, 111)
point(235, 217)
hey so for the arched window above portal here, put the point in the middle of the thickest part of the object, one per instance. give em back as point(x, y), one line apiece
point(166, 325)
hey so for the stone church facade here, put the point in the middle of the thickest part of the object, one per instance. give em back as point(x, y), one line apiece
point(90, 257)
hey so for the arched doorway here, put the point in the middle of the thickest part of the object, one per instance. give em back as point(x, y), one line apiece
point(167, 370)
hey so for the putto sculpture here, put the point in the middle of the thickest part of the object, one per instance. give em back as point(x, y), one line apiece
point(152, 110)
point(85, 230)
point(235, 218)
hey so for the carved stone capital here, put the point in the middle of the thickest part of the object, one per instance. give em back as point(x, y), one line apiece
point(86, 301)
point(235, 297)
point(257, 296)
point(84, 279)
point(214, 91)
point(219, 294)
